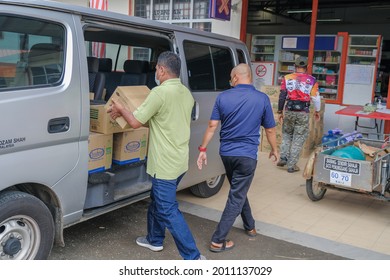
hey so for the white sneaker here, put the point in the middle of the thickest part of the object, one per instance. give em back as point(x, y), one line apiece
point(202, 258)
point(143, 242)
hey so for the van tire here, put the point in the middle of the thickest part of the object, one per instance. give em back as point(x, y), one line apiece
point(208, 188)
point(26, 227)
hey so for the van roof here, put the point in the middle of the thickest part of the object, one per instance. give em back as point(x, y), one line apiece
point(113, 16)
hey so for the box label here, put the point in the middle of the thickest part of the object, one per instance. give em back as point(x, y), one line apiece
point(96, 154)
point(340, 165)
point(132, 146)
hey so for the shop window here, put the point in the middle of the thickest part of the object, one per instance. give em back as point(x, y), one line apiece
point(181, 9)
point(141, 54)
point(201, 9)
point(185, 24)
point(205, 26)
point(142, 8)
point(161, 10)
point(208, 66)
point(30, 56)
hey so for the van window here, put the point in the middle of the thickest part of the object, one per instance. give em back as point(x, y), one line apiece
point(241, 56)
point(117, 53)
point(208, 66)
point(126, 56)
point(31, 52)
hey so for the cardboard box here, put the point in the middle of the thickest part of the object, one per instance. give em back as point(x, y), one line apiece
point(130, 146)
point(315, 132)
point(129, 96)
point(273, 92)
point(101, 122)
point(99, 151)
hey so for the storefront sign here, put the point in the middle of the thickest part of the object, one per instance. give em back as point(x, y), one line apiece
point(220, 9)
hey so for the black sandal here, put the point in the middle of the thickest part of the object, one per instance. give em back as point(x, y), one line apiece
point(224, 247)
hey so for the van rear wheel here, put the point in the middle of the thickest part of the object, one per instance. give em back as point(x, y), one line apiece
point(26, 227)
point(209, 187)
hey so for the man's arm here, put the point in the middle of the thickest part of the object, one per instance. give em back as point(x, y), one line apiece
point(282, 100)
point(116, 110)
point(271, 137)
point(316, 99)
point(208, 135)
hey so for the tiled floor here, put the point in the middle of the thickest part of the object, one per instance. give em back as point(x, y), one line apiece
point(279, 198)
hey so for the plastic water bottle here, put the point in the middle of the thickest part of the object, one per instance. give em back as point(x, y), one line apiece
point(337, 135)
point(329, 139)
point(349, 137)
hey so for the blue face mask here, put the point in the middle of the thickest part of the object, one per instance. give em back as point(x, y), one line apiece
point(156, 80)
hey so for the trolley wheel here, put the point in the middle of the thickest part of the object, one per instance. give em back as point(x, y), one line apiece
point(315, 190)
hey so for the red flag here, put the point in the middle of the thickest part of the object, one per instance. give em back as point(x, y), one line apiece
point(99, 4)
point(98, 49)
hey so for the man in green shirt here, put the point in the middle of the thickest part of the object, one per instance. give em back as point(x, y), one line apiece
point(167, 111)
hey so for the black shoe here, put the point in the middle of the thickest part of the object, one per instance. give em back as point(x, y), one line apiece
point(282, 162)
point(293, 169)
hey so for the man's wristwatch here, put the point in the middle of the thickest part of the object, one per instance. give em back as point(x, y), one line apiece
point(202, 149)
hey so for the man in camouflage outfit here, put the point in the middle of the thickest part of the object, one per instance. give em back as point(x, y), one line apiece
point(296, 91)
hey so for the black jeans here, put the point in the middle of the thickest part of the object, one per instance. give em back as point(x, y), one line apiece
point(240, 172)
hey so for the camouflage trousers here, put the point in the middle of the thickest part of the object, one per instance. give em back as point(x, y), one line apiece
point(295, 130)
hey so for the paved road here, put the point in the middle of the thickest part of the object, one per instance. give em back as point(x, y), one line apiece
point(112, 237)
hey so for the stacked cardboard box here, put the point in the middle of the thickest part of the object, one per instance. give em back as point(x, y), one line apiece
point(99, 151)
point(128, 145)
point(315, 128)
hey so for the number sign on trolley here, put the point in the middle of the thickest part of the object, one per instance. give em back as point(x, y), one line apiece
point(341, 171)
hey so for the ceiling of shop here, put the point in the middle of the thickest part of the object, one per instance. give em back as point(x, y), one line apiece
point(278, 12)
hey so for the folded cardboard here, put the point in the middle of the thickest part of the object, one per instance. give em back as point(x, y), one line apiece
point(99, 152)
point(273, 92)
point(101, 122)
point(130, 146)
point(129, 96)
point(315, 131)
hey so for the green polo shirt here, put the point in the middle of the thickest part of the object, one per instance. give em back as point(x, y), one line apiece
point(167, 109)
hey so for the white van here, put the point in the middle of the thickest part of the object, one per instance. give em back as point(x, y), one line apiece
point(52, 56)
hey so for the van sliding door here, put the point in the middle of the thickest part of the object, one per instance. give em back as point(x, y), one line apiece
point(208, 63)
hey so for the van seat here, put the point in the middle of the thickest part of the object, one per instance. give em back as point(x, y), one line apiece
point(96, 78)
point(135, 73)
point(105, 65)
point(113, 79)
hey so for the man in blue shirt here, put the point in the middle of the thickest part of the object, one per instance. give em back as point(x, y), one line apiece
point(241, 111)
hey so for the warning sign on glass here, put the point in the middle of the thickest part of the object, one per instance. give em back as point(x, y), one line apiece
point(263, 74)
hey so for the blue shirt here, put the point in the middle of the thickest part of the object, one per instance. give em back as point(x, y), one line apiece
point(242, 110)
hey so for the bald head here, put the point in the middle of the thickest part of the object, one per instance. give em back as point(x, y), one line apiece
point(241, 74)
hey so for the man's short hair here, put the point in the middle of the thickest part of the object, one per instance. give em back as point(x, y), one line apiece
point(171, 61)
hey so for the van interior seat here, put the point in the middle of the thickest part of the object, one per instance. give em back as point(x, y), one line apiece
point(113, 78)
point(105, 65)
point(96, 78)
point(135, 73)
point(151, 75)
point(45, 63)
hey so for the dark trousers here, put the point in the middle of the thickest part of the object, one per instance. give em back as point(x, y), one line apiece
point(240, 172)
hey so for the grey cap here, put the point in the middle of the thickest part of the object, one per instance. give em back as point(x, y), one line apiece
point(301, 61)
